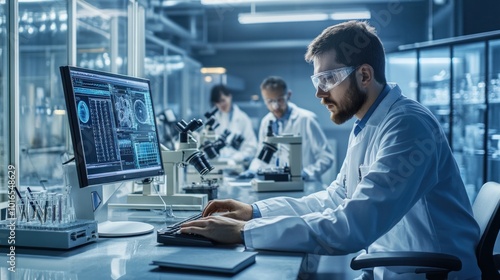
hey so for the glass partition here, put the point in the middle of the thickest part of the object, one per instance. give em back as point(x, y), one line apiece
point(43, 28)
point(174, 84)
point(156, 69)
point(158, 66)
point(4, 104)
point(469, 111)
point(493, 139)
point(402, 69)
point(101, 34)
point(435, 65)
point(177, 88)
point(164, 71)
point(101, 44)
point(196, 105)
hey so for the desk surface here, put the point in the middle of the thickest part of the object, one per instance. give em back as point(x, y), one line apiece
point(130, 257)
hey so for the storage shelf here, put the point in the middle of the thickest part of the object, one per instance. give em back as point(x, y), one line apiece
point(452, 78)
point(435, 103)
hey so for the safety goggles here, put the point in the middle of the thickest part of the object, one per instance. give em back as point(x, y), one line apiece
point(278, 101)
point(327, 80)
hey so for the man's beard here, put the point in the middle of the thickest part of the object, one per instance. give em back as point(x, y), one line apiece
point(353, 101)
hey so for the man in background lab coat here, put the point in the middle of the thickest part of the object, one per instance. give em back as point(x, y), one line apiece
point(231, 117)
point(399, 188)
point(288, 118)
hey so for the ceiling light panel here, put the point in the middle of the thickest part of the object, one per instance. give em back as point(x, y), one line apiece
point(252, 18)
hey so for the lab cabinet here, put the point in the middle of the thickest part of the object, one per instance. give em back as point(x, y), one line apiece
point(434, 84)
point(458, 80)
point(493, 118)
point(468, 113)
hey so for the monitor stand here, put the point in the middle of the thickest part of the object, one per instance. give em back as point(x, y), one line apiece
point(123, 228)
point(91, 203)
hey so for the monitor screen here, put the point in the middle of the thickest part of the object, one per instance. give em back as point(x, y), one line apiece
point(112, 125)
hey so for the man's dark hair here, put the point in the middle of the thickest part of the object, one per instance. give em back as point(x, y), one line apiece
point(355, 43)
point(217, 92)
point(274, 83)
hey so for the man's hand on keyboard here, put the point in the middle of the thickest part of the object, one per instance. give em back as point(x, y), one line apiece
point(218, 228)
point(229, 208)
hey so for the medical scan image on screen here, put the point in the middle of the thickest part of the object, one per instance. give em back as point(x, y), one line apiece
point(112, 125)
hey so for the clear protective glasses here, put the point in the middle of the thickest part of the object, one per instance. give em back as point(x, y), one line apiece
point(280, 100)
point(327, 80)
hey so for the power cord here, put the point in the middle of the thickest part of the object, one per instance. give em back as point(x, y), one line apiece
point(168, 211)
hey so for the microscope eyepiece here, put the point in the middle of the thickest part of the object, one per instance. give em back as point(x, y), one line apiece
point(211, 124)
point(211, 112)
point(237, 141)
point(212, 149)
point(183, 126)
point(193, 125)
point(270, 129)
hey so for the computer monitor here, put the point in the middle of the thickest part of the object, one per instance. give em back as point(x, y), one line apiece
point(113, 131)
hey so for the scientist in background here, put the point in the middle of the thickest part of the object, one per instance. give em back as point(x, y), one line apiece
point(288, 118)
point(241, 143)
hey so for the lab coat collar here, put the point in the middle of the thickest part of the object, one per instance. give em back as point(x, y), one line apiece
point(279, 124)
point(229, 115)
point(360, 124)
point(384, 106)
point(294, 114)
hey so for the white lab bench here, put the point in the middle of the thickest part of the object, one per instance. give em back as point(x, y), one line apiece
point(130, 257)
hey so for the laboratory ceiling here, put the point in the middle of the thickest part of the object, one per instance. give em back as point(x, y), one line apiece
point(205, 30)
point(201, 30)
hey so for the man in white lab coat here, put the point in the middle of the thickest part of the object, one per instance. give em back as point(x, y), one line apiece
point(231, 117)
point(288, 118)
point(399, 188)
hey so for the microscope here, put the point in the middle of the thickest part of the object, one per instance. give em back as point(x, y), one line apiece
point(208, 132)
point(211, 144)
point(174, 161)
point(288, 178)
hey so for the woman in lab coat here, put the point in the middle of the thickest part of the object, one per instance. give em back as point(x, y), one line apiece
point(288, 118)
point(399, 188)
point(231, 117)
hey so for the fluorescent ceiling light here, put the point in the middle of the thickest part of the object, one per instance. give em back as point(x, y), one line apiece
point(354, 14)
point(213, 70)
point(59, 112)
point(34, 1)
point(280, 17)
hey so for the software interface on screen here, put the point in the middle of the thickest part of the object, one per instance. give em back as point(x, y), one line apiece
point(112, 125)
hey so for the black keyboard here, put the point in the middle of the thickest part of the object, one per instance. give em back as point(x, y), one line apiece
point(171, 235)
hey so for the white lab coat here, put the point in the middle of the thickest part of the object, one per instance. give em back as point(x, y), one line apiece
point(399, 189)
point(317, 155)
point(237, 123)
